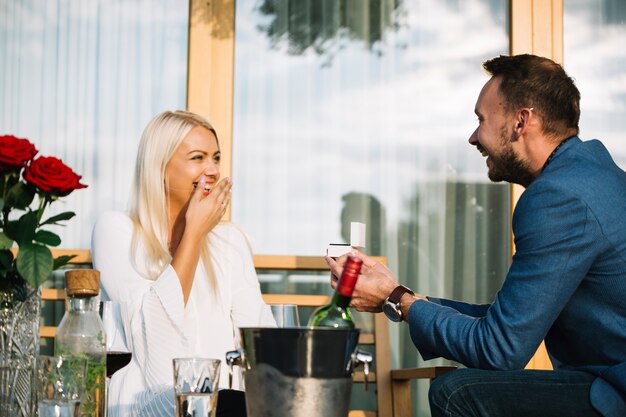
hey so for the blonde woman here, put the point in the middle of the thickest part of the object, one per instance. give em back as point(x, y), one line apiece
point(188, 280)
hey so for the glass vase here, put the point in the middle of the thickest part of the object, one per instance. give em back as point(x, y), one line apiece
point(19, 347)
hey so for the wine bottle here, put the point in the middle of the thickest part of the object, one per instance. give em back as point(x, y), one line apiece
point(81, 334)
point(337, 313)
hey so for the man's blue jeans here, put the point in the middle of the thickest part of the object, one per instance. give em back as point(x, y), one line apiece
point(480, 393)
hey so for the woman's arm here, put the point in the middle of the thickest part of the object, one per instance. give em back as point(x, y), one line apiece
point(248, 307)
point(156, 312)
point(193, 224)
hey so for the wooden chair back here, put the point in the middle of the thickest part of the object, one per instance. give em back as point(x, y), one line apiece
point(378, 339)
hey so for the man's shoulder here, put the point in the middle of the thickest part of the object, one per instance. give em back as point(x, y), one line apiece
point(584, 168)
point(581, 182)
point(586, 156)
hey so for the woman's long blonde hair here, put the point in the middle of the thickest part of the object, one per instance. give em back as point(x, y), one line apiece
point(149, 209)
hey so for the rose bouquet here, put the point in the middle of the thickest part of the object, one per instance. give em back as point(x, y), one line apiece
point(22, 225)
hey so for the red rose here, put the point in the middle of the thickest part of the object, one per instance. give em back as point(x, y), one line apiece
point(51, 175)
point(15, 152)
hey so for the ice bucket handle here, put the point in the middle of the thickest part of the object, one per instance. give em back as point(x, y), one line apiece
point(359, 358)
point(233, 357)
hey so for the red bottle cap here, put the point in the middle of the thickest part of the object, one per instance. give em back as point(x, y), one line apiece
point(349, 276)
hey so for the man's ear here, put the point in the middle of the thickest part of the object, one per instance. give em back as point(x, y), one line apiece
point(525, 115)
point(523, 118)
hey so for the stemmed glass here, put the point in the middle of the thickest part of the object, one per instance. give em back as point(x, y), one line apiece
point(116, 323)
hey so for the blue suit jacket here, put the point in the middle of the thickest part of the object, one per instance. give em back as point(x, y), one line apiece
point(566, 283)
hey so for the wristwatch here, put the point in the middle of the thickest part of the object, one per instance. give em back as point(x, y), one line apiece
point(391, 306)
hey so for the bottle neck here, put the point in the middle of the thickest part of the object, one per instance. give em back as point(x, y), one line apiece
point(344, 290)
point(340, 300)
point(347, 282)
point(81, 304)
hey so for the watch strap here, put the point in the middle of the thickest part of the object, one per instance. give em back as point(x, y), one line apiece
point(398, 292)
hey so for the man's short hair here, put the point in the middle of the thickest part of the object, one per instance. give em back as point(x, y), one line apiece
point(540, 83)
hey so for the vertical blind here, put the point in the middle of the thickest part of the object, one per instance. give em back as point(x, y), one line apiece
point(80, 79)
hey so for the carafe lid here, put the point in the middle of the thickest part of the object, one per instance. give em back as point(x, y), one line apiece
point(82, 282)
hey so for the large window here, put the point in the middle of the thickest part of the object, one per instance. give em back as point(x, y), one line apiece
point(81, 79)
point(360, 111)
point(594, 37)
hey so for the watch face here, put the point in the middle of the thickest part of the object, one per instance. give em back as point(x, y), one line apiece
point(390, 310)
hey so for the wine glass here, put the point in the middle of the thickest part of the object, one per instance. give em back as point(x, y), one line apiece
point(286, 315)
point(116, 323)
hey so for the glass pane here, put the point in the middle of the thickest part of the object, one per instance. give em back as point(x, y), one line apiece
point(360, 111)
point(594, 38)
point(80, 79)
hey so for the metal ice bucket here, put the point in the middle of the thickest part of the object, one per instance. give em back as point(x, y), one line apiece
point(297, 372)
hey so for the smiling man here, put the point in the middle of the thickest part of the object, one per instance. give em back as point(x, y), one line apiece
point(567, 280)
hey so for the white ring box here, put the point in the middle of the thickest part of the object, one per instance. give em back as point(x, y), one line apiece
point(357, 241)
point(335, 250)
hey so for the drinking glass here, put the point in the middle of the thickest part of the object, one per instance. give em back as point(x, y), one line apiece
point(60, 385)
point(116, 321)
point(286, 315)
point(195, 386)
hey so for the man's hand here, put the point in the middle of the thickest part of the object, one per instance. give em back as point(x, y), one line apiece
point(374, 285)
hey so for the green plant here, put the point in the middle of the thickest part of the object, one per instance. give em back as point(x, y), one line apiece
point(22, 225)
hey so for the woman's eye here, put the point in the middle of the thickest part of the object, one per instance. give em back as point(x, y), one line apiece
point(197, 158)
point(217, 158)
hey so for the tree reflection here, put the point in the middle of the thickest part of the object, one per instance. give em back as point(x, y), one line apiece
point(324, 26)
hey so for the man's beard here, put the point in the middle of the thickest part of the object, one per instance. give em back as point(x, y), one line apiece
point(507, 166)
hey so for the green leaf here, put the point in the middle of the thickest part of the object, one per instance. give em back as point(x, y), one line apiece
point(12, 229)
point(59, 217)
point(34, 263)
point(47, 238)
point(27, 225)
point(62, 261)
point(5, 241)
point(20, 196)
point(6, 259)
point(1, 200)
